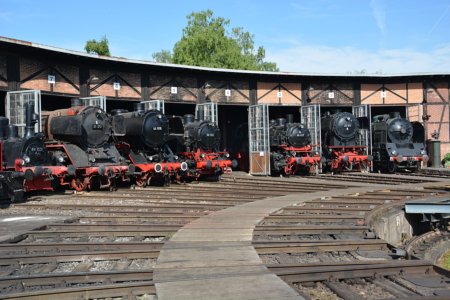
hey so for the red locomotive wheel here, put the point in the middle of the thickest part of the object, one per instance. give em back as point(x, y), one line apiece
point(77, 185)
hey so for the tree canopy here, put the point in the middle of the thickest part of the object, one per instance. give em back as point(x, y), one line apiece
point(100, 47)
point(207, 41)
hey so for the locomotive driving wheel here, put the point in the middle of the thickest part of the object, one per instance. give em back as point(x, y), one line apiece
point(391, 167)
point(77, 185)
point(141, 181)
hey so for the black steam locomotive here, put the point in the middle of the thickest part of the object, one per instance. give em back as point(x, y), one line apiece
point(143, 141)
point(341, 148)
point(24, 160)
point(81, 139)
point(397, 143)
point(290, 148)
point(201, 149)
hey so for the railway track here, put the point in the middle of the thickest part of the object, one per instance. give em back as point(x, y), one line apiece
point(109, 243)
point(324, 250)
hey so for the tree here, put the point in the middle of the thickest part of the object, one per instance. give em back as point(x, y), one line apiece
point(206, 41)
point(100, 47)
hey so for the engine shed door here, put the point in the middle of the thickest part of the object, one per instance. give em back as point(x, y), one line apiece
point(207, 111)
point(258, 134)
point(310, 117)
point(15, 108)
point(154, 105)
point(364, 135)
point(97, 101)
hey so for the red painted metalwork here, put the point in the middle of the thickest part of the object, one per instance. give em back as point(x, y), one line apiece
point(349, 158)
point(300, 157)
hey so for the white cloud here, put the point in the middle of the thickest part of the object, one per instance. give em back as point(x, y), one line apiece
point(325, 59)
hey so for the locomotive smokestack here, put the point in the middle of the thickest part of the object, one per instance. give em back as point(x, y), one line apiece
point(200, 115)
point(75, 102)
point(394, 114)
point(281, 121)
point(12, 132)
point(139, 107)
point(4, 122)
point(30, 119)
point(289, 118)
point(188, 118)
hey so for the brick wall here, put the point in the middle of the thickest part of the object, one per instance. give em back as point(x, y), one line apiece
point(291, 93)
point(239, 91)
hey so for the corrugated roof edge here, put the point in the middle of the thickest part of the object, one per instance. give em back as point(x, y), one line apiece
point(144, 62)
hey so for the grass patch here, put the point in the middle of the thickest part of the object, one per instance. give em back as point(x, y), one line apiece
point(445, 260)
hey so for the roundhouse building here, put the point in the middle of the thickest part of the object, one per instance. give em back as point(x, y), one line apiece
point(26, 65)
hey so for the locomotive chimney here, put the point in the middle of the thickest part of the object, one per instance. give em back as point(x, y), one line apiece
point(139, 107)
point(289, 118)
point(188, 118)
point(75, 102)
point(116, 112)
point(30, 119)
point(4, 122)
point(13, 132)
point(281, 121)
point(200, 115)
point(394, 114)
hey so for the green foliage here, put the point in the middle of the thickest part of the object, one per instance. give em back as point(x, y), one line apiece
point(447, 157)
point(207, 42)
point(100, 47)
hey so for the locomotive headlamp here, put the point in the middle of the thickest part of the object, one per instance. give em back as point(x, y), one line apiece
point(423, 152)
point(227, 155)
point(22, 162)
point(202, 155)
point(394, 152)
point(399, 158)
point(294, 153)
point(176, 157)
point(27, 159)
point(184, 166)
point(345, 158)
point(158, 168)
point(60, 159)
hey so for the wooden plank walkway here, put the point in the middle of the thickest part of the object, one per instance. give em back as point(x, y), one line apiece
point(213, 258)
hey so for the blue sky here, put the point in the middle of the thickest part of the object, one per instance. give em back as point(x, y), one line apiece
point(321, 36)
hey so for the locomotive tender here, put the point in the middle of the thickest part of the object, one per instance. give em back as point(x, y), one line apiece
point(341, 149)
point(397, 143)
point(290, 148)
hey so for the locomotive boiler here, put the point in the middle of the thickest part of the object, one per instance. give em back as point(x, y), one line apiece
point(290, 148)
point(81, 138)
point(341, 146)
point(143, 141)
point(202, 149)
point(397, 144)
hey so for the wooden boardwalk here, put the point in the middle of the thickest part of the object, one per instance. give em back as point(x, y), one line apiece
point(213, 258)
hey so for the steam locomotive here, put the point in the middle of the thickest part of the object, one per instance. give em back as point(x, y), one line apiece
point(25, 163)
point(341, 147)
point(201, 149)
point(144, 143)
point(290, 148)
point(397, 143)
point(80, 139)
